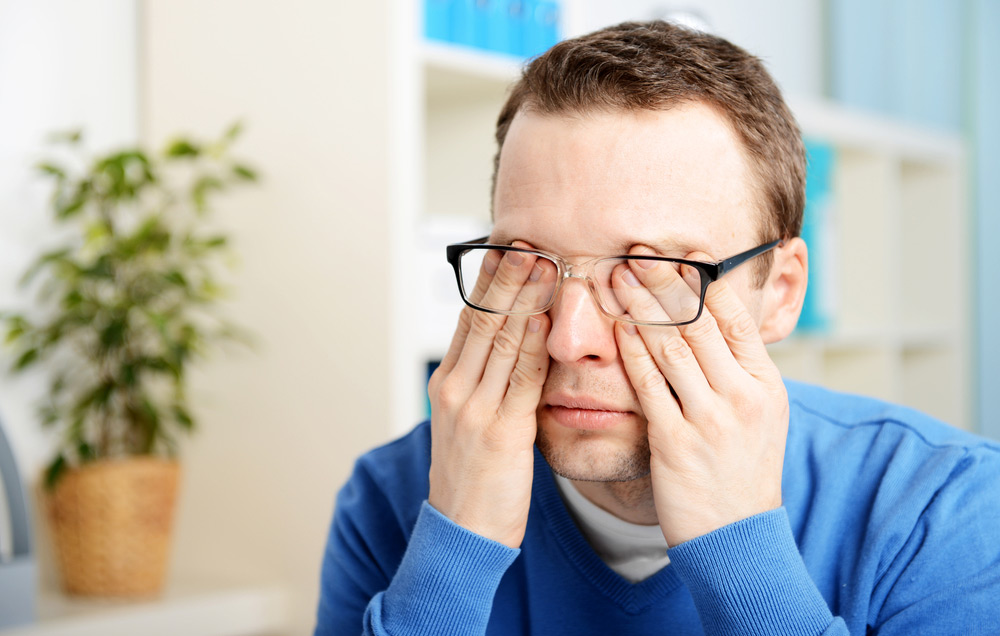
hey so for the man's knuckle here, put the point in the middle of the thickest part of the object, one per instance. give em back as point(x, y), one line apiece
point(448, 396)
point(520, 378)
point(674, 349)
point(650, 381)
point(484, 326)
point(506, 343)
point(749, 404)
point(742, 326)
point(703, 327)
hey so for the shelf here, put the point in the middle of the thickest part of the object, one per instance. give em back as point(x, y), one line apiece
point(192, 609)
point(458, 72)
point(852, 128)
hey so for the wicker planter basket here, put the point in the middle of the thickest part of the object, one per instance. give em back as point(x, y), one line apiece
point(111, 524)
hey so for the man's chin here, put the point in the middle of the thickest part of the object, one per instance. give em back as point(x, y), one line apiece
point(593, 457)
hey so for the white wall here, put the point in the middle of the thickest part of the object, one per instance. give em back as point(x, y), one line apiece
point(63, 64)
point(282, 426)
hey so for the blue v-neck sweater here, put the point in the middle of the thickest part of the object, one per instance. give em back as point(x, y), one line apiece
point(890, 523)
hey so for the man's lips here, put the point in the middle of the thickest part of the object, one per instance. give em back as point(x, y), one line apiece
point(585, 413)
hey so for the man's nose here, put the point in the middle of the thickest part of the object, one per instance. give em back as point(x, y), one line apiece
point(580, 331)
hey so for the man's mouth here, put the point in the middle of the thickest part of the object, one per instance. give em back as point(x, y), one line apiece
point(585, 413)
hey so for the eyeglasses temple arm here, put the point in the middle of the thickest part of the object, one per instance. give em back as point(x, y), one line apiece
point(735, 261)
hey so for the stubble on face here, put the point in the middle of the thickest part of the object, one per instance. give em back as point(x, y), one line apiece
point(591, 455)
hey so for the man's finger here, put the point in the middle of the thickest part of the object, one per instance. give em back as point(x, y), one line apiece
point(671, 354)
point(645, 376)
point(513, 271)
point(507, 343)
point(739, 329)
point(526, 380)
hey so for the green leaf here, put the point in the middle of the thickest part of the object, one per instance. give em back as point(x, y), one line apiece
point(26, 359)
point(66, 136)
point(175, 277)
point(201, 188)
point(49, 415)
point(183, 417)
point(76, 202)
point(49, 258)
point(55, 470)
point(244, 172)
point(182, 148)
point(17, 326)
point(113, 335)
point(97, 398)
point(85, 452)
point(234, 131)
point(51, 169)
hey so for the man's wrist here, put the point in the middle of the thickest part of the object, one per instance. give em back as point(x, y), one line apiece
point(749, 578)
point(446, 580)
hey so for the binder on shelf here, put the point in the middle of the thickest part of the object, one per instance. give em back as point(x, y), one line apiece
point(819, 233)
point(437, 20)
point(522, 28)
point(542, 28)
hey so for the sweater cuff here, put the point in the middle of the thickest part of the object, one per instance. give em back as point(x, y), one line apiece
point(446, 581)
point(749, 578)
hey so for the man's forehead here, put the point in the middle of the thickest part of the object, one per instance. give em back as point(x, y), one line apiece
point(675, 181)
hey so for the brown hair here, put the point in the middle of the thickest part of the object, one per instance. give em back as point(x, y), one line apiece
point(655, 65)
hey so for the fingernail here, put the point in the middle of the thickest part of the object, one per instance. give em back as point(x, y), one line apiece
point(492, 259)
point(534, 324)
point(536, 273)
point(515, 258)
point(630, 328)
point(644, 251)
point(630, 278)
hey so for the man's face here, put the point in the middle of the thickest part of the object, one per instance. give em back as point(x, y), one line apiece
point(595, 185)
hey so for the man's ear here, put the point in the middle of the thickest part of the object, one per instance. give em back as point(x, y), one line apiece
point(785, 290)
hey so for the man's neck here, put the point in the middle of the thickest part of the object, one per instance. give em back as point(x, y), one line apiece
point(631, 501)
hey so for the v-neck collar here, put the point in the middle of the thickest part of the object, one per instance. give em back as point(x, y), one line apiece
point(632, 598)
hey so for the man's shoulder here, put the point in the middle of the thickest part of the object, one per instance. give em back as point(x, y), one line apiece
point(832, 413)
point(389, 482)
point(851, 437)
point(400, 465)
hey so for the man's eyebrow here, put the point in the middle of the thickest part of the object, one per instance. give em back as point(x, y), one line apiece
point(664, 247)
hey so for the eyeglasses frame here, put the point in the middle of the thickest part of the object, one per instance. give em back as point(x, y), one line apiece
point(710, 272)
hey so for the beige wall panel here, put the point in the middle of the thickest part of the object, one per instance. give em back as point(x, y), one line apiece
point(281, 426)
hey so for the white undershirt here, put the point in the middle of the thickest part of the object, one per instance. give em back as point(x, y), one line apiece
point(633, 551)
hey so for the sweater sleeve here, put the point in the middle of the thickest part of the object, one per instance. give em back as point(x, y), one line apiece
point(748, 578)
point(440, 579)
point(445, 583)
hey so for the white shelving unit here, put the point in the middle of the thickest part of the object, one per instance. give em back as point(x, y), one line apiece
point(901, 322)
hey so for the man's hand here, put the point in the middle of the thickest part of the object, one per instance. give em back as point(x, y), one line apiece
point(483, 401)
point(717, 442)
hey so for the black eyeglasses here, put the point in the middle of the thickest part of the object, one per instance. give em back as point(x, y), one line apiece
point(530, 281)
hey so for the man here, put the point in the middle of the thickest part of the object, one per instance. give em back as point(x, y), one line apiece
point(611, 450)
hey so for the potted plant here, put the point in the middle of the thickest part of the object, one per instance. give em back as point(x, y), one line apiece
point(126, 302)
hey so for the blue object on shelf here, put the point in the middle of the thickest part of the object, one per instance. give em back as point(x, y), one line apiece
point(463, 17)
point(819, 233)
point(437, 19)
point(517, 21)
point(482, 13)
point(18, 575)
point(522, 28)
point(541, 26)
point(499, 36)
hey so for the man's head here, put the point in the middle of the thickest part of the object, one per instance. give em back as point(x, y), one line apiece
point(657, 65)
point(643, 137)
